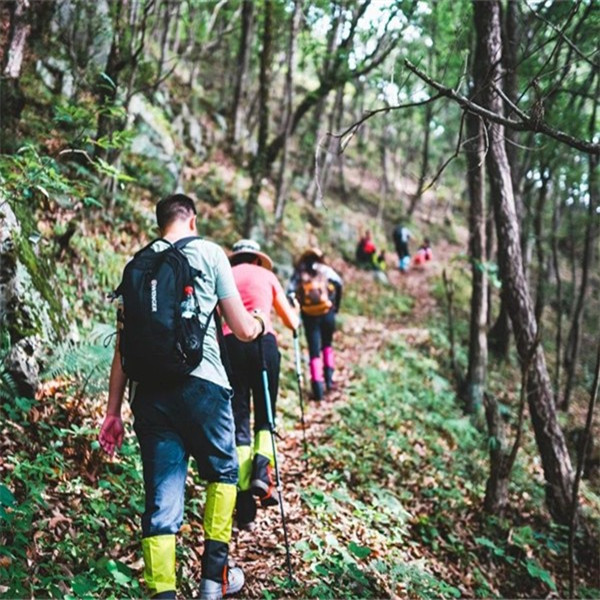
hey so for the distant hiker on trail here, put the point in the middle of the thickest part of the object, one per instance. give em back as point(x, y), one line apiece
point(319, 290)
point(167, 343)
point(424, 254)
point(380, 267)
point(401, 237)
point(379, 263)
point(365, 250)
point(259, 289)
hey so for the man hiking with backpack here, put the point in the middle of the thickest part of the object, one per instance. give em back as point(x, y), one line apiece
point(318, 289)
point(259, 289)
point(180, 396)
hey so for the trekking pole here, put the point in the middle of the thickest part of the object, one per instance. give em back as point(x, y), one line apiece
point(271, 422)
point(300, 395)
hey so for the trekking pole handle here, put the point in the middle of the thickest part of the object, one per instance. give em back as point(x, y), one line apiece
point(292, 299)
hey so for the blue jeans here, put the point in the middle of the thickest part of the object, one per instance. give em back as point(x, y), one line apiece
point(193, 418)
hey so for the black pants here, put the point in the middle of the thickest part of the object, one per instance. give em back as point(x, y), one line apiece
point(402, 249)
point(246, 379)
point(319, 332)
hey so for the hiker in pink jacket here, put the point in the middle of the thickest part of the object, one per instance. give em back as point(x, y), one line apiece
point(260, 291)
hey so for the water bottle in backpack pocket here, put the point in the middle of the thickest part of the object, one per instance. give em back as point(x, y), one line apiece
point(191, 340)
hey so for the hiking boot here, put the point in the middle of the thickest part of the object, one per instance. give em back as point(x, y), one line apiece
point(245, 510)
point(317, 390)
point(263, 482)
point(215, 590)
point(331, 385)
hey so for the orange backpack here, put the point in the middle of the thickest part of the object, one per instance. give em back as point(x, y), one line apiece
point(313, 294)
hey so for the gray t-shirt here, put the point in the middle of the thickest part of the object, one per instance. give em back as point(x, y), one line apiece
point(217, 284)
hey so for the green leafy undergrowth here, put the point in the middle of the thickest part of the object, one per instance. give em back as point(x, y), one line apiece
point(376, 299)
point(399, 510)
point(67, 515)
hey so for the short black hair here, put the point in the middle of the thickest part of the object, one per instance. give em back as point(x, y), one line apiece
point(244, 257)
point(175, 206)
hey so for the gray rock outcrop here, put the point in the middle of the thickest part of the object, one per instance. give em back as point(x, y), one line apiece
point(25, 314)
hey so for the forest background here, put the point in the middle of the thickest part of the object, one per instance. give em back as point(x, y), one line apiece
point(459, 457)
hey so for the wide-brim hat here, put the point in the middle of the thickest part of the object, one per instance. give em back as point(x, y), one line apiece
point(251, 247)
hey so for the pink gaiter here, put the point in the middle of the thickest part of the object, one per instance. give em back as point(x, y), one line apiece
point(316, 369)
point(328, 357)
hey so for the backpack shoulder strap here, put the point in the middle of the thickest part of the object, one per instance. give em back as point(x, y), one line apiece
point(149, 244)
point(183, 242)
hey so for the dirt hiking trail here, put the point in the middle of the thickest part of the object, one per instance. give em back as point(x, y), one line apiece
point(261, 551)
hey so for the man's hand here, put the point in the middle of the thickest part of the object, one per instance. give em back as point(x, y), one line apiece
point(111, 434)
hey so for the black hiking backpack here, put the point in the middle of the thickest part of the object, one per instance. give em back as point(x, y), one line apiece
point(156, 343)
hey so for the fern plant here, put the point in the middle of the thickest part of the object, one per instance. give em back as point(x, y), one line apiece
point(8, 387)
point(87, 361)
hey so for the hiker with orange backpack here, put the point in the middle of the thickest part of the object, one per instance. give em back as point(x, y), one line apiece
point(318, 289)
point(260, 290)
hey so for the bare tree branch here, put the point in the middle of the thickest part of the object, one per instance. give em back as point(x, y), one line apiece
point(528, 123)
point(377, 111)
point(561, 34)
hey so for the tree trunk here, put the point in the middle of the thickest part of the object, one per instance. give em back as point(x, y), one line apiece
point(549, 436)
point(424, 159)
point(280, 195)
point(177, 27)
point(107, 88)
point(559, 295)
point(490, 238)
point(499, 334)
point(258, 167)
point(496, 488)
point(331, 151)
point(538, 226)
point(385, 187)
point(12, 100)
point(478, 350)
point(340, 157)
point(164, 44)
point(510, 61)
point(20, 28)
point(240, 94)
point(312, 190)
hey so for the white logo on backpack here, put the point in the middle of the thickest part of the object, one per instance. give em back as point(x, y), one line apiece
point(153, 295)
